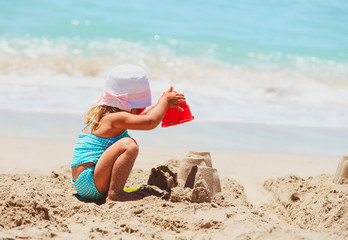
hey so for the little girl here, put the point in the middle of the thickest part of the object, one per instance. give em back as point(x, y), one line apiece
point(104, 153)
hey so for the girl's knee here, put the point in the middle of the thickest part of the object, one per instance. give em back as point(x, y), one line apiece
point(131, 147)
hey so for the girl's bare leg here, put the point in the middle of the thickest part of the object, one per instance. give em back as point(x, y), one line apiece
point(113, 168)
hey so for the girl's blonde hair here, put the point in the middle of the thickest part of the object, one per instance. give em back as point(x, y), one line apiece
point(97, 112)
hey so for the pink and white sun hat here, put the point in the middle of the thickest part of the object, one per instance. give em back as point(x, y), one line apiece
point(127, 86)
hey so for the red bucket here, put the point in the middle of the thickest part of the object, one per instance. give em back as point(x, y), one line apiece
point(174, 116)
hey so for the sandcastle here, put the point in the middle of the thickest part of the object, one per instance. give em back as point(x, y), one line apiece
point(198, 166)
point(195, 172)
point(341, 176)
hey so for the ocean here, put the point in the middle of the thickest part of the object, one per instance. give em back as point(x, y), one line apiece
point(277, 62)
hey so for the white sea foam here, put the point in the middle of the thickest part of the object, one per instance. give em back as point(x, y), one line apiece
point(37, 74)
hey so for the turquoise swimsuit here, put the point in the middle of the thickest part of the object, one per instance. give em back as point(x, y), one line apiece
point(89, 148)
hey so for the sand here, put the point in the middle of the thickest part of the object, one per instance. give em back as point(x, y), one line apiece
point(263, 196)
point(314, 203)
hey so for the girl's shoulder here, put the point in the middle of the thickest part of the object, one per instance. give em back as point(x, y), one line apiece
point(117, 120)
point(106, 129)
point(116, 116)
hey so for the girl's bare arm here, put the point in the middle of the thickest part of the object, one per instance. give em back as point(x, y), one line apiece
point(151, 118)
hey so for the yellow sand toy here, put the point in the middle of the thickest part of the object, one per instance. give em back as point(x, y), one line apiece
point(131, 189)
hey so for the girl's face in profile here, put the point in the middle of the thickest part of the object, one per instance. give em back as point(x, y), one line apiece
point(137, 111)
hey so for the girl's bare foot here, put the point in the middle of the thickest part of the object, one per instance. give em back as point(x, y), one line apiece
point(123, 196)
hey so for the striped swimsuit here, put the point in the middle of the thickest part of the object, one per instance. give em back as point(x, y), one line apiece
point(89, 148)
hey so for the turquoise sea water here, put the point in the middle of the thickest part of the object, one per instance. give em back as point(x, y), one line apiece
point(279, 61)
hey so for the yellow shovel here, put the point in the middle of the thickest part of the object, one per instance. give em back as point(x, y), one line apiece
point(131, 189)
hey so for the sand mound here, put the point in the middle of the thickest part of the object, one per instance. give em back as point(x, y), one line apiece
point(29, 201)
point(315, 203)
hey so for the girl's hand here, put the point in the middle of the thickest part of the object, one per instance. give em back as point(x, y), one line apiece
point(173, 98)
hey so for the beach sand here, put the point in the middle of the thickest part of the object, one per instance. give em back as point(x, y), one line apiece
point(264, 196)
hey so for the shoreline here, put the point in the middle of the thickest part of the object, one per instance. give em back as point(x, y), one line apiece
point(205, 136)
